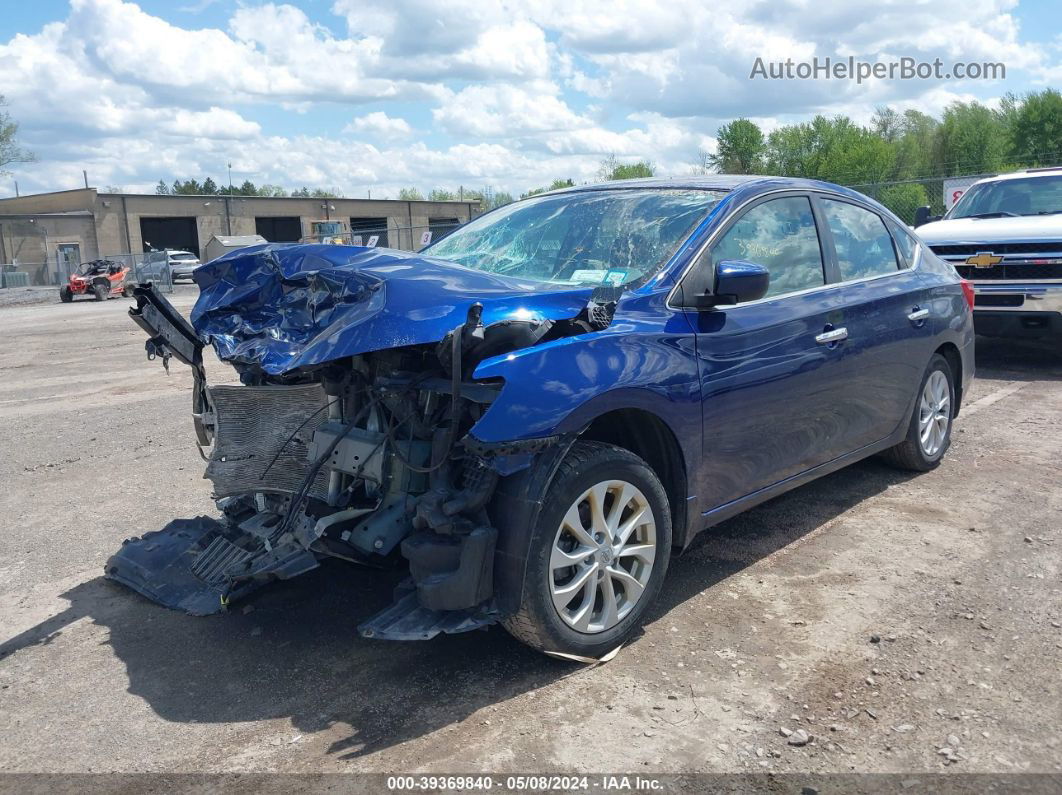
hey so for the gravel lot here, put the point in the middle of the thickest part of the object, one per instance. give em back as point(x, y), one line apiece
point(905, 624)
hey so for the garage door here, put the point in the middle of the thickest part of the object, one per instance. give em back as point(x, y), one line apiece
point(172, 233)
point(285, 229)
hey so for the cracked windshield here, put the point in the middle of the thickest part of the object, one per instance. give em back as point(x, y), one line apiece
point(591, 237)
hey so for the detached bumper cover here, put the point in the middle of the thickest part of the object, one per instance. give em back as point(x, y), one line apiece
point(159, 566)
point(188, 565)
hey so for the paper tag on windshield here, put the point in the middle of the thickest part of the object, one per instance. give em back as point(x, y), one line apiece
point(589, 276)
point(356, 240)
point(614, 277)
point(373, 240)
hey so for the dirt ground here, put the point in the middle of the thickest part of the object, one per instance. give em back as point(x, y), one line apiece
point(907, 624)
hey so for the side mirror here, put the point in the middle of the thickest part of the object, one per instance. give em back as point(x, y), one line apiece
point(922, 216)
point(734, 282)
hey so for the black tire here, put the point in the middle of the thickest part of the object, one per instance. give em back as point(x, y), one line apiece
point(65, 294)
point(127, 291)
point(100, 292)
point(537, 622)
point(910, 453)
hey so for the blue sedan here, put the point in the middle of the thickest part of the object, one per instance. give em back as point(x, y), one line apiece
point(534, 413)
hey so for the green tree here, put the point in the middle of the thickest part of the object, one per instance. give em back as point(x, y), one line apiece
point(272, 190)
point(189, 187)
point(836, 150)
point(10, 151)
point(557, 184)
point(441, 195)
point(971, 139)
point(913, 150)
point(612, 169)
point(162, 189)
point(246, 189)
point(739, 148)
point(887, 124)
point(904, 199)
point(324, 193)
point(301, 193)
point(210, 187)
point(410, 195)
point(1036, 129)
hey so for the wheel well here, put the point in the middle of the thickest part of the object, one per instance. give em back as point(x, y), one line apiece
point(954, 360)
point(649, 438)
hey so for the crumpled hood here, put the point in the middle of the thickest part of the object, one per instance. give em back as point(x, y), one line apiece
point(281, 307)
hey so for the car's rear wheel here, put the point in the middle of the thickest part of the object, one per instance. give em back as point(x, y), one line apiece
point(598, 553)
point(929, 433)
point(100, 292)
point(66, 295)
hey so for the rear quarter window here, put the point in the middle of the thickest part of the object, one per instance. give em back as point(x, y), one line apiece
point(864, 245)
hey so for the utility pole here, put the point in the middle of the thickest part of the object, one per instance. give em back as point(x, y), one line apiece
point(230, 180)
point(84, 173)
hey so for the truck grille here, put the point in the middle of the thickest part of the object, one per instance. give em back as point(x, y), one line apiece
point(1019, 263)
point(1010, 270)
point(1018, 250)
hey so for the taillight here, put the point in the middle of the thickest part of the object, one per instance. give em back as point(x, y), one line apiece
point(968, 293)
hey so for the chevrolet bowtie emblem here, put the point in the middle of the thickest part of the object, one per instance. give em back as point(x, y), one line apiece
point(983, 259)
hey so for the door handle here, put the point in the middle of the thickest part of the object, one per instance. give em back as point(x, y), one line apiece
point(832, 336)
point(918, 315)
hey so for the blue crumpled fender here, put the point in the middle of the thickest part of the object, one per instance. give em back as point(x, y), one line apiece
point(282, 307)
point(645, 359)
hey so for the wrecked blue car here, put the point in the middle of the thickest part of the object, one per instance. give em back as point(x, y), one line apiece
point(535, 412)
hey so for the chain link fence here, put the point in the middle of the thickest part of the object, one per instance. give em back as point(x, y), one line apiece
point(409, 238)
point(903, 197)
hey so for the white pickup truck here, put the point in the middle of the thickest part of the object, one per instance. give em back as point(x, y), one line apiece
point(1005, 236)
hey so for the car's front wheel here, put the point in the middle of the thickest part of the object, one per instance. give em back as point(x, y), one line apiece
point(929, 432)
point(598, 553)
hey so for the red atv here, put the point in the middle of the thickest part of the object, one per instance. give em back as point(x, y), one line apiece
point(101, 278)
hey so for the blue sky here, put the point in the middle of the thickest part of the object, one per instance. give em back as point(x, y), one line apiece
point(362, 95)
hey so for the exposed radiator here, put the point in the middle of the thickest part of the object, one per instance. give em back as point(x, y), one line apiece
point(255, 423)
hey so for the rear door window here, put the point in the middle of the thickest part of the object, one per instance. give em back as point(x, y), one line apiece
point(779, 234)
point(863, 244)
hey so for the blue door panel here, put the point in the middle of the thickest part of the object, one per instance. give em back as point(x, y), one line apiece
point(768, 390)
point(884, 357)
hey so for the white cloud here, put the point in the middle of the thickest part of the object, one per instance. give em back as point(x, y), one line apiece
point(379, 123)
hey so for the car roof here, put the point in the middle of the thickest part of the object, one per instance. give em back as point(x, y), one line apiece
point(724, 182)
point(1054, 171)
point(752, 183)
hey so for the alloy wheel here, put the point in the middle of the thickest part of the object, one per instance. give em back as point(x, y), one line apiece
point(934, 413)
point(602, 556)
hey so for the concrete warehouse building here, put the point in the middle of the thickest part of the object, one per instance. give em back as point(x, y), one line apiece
point(44, 234)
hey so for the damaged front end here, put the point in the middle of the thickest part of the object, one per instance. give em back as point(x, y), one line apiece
point(334, 446)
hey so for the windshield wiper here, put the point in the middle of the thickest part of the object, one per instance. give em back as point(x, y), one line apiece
point(998, 214)
point(1049, 212)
